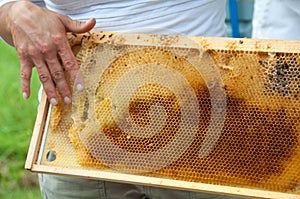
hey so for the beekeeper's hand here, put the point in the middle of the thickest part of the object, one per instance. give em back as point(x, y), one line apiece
point(39, 36)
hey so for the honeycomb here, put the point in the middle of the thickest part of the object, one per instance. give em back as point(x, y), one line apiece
point(170, 106)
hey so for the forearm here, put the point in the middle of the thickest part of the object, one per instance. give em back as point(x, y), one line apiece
point(4, 26)
point(5, 9)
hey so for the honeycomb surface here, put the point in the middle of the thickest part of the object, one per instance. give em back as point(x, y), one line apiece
point(164, 106)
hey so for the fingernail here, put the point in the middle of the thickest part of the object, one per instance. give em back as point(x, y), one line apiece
point(90, 20)
point(25, 96)
point(67, 100)
point(79, 87)
point(53, 101)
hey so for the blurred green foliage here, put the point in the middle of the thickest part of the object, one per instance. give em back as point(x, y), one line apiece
point(17, 117)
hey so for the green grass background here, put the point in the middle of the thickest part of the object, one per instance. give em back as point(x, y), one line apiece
point(17, 117)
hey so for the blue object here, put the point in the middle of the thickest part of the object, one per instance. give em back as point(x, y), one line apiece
point(234, 18)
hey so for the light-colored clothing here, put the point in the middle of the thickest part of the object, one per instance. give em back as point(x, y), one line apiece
point(187, 17)
point(276, 19)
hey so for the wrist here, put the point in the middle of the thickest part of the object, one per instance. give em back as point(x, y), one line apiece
point(5, 32)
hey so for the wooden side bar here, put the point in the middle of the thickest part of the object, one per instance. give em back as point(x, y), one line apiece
point(37, 134)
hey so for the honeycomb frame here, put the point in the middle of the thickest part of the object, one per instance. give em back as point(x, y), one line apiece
point(246, 91)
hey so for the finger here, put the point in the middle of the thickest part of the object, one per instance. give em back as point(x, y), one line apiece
point(37, 53)
point(58, 76)
point(77, 26)
point(46, 80)
point(70, 64)
point(25, 74)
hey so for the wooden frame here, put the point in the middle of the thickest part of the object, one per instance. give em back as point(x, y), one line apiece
point(208, 43)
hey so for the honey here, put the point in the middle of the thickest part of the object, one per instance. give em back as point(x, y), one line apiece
point(220, 116)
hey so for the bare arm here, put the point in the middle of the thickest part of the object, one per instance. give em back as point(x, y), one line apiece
point(39, 36)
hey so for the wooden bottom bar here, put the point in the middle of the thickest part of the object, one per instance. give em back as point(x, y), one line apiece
point(165, 183)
